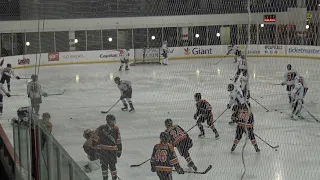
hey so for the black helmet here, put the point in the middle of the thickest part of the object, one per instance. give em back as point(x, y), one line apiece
point(117, 80)
point(197, 96)
point(164, 137)
point(34, 77)
point(289, 67)
point(111, 120)
point(168, 122)
point(9, 65)
point(230, 87)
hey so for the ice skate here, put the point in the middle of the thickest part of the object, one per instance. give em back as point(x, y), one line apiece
point(125, 108)
point(233, 147)
point(256, 148)
point(217, 136)
point(201, 135)
point(191, 165)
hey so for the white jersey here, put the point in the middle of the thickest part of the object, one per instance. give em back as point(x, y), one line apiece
point(302, 81)
point(236, 97)
point(290, 76)
point(124, 55)
point(242, 64)
point(34, 90)
point(7, 71)
point(243, 82)
point(298, 92)
point(124, 86)
point(165, 48)
point(232, 49)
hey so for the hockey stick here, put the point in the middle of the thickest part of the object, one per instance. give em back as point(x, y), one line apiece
point(220, 59)
point(57, 94)
point(310, 114)
point(24, 78)
point(137, 165)
point(220, 115)
point(273, 147)
point(274, 84)
point(197, 172)
point(260, 104)
point(104, 112)
point(192, 127)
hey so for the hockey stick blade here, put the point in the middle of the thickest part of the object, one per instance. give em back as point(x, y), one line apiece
point(198, 172)
point(137, 165)
point(57, 94)
point(275, 147)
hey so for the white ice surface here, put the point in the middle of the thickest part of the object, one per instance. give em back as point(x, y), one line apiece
point(161, 92)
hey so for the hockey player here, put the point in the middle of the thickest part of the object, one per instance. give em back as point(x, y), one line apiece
point(242, 67)
point(297, 96)
point(126, 93)
point(124, 58)
point(91, 140)
point(244, 85)
point(204, 112)
point(2, 90)
point(244, 125)
point(165, 53)
point(35, 93)
point(234, 50)
point(6, 74)
point(236, 100)
point(300, 79)
point(109, 147)
point(163, 158)
point(181, 140)
point(289, 78)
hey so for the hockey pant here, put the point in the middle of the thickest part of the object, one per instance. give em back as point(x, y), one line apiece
point(1, 102)
point(240, 130)
point(235, 110)
point(127, 98)
point(238, 74)
point(183, 148)
point(246, 93)
point(209, 118)
point(297, 107)
point(289, 89)
point(235, 57)
point(165, 175)
point(125, 61)
point(6, 78)
point(108, 160)
point(165, 58)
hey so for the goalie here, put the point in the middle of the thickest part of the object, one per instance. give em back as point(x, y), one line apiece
point(165, 53)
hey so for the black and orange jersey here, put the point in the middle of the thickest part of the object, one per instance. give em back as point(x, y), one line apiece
point(163, 157)
point(109, 138)
point(243, 119)
point(203, 107)
point(177, 134)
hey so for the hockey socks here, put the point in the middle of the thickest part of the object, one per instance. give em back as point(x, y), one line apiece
point(201, 131)
point(131, 107)
point(216, 133)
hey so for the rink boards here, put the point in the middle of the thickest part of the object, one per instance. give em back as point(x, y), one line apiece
point(175, 53)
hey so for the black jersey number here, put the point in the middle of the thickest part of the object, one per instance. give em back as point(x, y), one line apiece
point(291, 76)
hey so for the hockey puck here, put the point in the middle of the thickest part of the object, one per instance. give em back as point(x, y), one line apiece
point(276, 149)
point(276, 110)
point(280, 112)
point(70, 118)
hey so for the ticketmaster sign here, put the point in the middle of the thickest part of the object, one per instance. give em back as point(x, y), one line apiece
point(303, 50)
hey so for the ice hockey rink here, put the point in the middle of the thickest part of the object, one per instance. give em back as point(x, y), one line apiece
point(161, 92)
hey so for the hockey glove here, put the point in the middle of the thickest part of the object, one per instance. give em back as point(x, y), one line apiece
point(18, 77)
point(121, 97)
point(8, 94)
point(153, 169)
point(118, 154)
point(283, 83)
point(228, 106)
point(44, 94)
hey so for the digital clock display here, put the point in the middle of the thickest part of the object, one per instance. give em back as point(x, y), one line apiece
point(269, 18)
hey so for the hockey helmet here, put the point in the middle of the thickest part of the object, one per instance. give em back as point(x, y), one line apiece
point(230, 87)
point(164, 137)
point(300, 80)
point(9, 66)
point(111, 120)
point(289, 67)
point(168, 122)
point(244, 73)
point(34, 77)
point(46, 115)
point(117, 80)
point(87, 133)
point(197, 96)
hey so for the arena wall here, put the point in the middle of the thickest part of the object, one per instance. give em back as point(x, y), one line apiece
point(176, 53)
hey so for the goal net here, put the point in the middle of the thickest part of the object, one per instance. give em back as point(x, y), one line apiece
point(147, 56)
